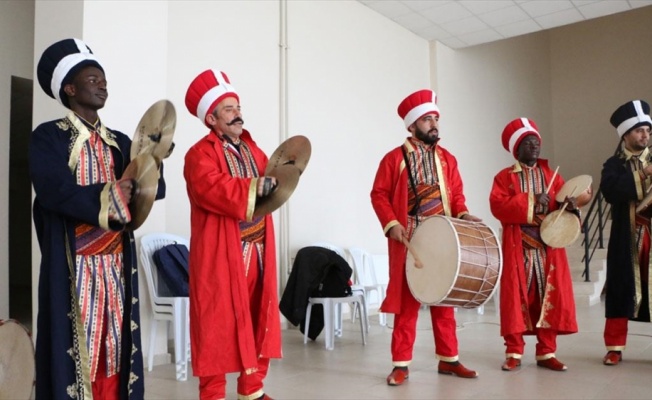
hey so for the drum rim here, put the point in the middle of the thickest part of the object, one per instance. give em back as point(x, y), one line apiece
point(450, 224)
point(32, 352)
point(457, 265)
point(552, 215)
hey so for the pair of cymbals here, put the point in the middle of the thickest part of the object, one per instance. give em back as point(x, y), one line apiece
point(144, 170)
point(155, 131)
point(286, 164)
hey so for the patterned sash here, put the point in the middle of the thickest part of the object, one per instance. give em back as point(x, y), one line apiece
point(531, 234)
point(99, 274)
point(532, 180)
point(243, 165)
point(427, 200)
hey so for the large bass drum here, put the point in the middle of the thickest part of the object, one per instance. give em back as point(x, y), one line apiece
point(17, 364)
point(461, 263)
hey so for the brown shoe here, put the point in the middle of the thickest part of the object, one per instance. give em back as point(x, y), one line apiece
point(553, 364)
point(612, 358)
point(456, 368)
point(398, 376)
point(511, 364)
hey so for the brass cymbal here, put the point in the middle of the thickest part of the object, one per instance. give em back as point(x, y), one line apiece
point(287, 178)
point(144, 170)
point(155, 131)
point(294, 151)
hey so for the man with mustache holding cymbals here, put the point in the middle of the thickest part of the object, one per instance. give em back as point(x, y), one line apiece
point(234, 317)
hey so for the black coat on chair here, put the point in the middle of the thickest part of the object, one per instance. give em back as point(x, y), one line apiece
point(316, 272)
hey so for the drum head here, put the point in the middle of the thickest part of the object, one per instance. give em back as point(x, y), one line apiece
point(17, 363)
point(579, 186)
point(560, 230)
point(437, 247)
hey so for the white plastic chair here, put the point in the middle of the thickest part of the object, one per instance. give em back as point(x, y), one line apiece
point(171, 309)
point(365, 276)
point(333, 306)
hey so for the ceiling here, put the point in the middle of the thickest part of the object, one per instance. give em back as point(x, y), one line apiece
point(463, 23)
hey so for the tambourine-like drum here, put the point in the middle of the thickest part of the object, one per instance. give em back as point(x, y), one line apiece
point(578, 187)
point(560, 230)
point(461, 262)
point(17, 363)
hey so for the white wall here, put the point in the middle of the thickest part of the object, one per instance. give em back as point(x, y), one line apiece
point(596, 66)
point(14, 16)
point(482, 88)
point(349, 70)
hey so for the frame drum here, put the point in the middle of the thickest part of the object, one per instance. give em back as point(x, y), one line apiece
point(579, 187)
point(17, 364)
point(560, 230)
point(462, 262)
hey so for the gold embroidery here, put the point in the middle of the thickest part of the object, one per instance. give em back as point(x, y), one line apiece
point(71, 390)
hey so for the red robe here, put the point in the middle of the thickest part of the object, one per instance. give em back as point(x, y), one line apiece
point(389, 198)
point(513, 208)
point(221, 328)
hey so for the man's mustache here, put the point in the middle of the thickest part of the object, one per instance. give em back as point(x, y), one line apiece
point(435, 130)
point(235, 121)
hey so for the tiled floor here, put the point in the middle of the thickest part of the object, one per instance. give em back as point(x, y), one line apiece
point(354, 371)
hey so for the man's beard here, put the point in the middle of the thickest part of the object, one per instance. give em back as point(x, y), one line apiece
point(425, 138)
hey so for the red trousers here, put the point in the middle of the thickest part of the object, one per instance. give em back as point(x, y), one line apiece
point(615, 329)
point(546, 338)
point(615, 333)
point(405, 326)
point(250, 386)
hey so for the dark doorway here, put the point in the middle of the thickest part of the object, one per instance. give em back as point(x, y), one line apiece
point(20, 203)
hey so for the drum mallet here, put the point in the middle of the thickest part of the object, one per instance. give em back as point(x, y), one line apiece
point(417, 262)
point(552, 180)
point(561, 209)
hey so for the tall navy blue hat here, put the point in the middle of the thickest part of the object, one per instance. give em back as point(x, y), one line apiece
point(631, 115)
point(60, 63)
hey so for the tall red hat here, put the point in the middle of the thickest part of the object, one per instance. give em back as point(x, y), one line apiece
point(206, 91)
point(417, 105)
point(516, 131)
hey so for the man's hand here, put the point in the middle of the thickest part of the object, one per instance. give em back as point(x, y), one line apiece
point(472, 218)
point(398, 233)
point(542, 198)
point(127, 186)
point(571, 203)
point(266, 185)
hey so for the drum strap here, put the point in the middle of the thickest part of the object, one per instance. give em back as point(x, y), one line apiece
point(417, 198)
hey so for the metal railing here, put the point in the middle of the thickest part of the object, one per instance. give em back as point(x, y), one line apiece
point(593, 228)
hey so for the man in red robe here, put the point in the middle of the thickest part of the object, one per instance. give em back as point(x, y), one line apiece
point(234, 317)
point(536, 290)
point(415, 181)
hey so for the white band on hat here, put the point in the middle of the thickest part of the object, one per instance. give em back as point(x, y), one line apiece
point(418, 111)
point(213, 94)
point(66, 64)
point(630, 122)
point(520, 132)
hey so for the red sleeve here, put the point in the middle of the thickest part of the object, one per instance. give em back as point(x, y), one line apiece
point(383, 190)
point(211, 187)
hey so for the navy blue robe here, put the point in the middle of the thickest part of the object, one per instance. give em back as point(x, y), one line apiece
point(62, 372)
